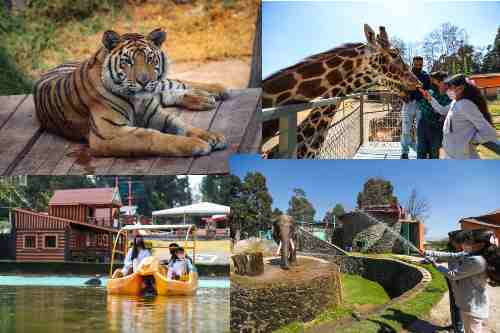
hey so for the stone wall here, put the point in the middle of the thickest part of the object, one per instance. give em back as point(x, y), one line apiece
point(265, 308)
point(394, 276)
point(307, 242)
point(365, 235)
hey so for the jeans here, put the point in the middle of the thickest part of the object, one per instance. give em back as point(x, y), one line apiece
point(410, 113)
point(473, 324)
point(429, 139)
point(456, 319)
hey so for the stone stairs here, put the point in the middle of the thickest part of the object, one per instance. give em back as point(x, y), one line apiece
point(309, 243)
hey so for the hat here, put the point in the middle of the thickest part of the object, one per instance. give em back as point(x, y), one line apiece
point(457, 236)
point(439, 75)
point(456, 80)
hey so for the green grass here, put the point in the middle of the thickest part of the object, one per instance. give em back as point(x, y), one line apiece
point(494, 108)
point(12, 80)
point(401, 316)
point(394, 319)
point(26, 35)
point(485, 153)
point(357, 292)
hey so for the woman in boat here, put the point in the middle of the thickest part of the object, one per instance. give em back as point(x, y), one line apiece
point(179, 266)
point(135, 255)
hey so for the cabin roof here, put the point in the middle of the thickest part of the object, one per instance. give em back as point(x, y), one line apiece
point(492, 218)
point(87, 196)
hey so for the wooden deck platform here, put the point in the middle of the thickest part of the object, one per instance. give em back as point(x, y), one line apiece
point(26, 149)
point(382, 151)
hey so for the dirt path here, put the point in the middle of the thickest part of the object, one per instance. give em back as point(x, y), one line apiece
point(232, 73)
point(440, 315)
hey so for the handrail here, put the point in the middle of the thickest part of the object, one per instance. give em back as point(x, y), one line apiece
point(493, 146)
point(113, 254)
point(285, 110)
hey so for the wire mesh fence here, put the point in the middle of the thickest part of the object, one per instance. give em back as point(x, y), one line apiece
point(343, 138)
point(373, 116)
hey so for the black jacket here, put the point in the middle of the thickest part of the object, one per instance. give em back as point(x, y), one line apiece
point(425, 79)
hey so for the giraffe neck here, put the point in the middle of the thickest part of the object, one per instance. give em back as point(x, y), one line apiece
point(312, 132)
point(338, 72)
point(325, 74)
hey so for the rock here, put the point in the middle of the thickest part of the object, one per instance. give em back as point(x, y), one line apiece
point(94, 281)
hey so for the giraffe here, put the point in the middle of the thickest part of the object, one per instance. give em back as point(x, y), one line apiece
point(340, 71)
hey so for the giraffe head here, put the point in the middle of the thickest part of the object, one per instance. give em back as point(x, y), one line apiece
point(387, 62)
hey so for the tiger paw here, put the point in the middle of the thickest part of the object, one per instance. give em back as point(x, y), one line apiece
point(198, 100)
point(218, 91)
point(217, 141)
point(198, 147)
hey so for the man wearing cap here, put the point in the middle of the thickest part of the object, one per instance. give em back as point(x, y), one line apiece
point(410, 111)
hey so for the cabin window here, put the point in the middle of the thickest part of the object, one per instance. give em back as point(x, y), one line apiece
point(50, 242)
point(30, 242)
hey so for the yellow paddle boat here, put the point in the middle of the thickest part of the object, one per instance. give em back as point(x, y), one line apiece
point(151, 272)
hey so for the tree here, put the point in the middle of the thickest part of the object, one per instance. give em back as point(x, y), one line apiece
point(336, 211)
point(150, 192)
point(277, 212)
point(251, 210)
point(220, 189)
point(491, 62)
point(376, 191)
point(441, 45)
point(417, 207)
point(300, 208)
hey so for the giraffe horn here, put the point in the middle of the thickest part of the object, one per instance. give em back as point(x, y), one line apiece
point(370, 35)
point(383, 38)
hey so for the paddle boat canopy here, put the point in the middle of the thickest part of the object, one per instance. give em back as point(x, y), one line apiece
point(151, 273)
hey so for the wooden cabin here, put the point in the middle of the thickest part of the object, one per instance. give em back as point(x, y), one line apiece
point(489, 221)
point(488, 83)
point(81, 225)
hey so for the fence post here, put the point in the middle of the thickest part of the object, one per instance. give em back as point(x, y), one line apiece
point(288, 136)
point(361, 121)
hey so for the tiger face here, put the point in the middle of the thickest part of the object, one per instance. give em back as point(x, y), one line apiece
point(134, 64)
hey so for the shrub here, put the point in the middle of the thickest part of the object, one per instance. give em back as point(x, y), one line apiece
point(65, 10)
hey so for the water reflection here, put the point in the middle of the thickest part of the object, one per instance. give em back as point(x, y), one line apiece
point(69, 309)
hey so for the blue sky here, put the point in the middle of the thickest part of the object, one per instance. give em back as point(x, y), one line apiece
point(293, 30)
point(454, 189)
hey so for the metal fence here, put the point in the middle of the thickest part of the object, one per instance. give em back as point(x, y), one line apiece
point(350, 128)
point(372, 116)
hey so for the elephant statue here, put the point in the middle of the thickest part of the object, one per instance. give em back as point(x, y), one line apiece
point(284, 234)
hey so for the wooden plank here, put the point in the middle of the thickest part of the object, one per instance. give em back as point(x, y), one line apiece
point(8, 105)
point(382, 150)
point(181, 166)
point(252, 139)
point(43, 157)
point(17, 135)
point(85, 163)
point(232, 119)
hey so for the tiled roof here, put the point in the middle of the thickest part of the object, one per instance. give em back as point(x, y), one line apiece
point(97, 196)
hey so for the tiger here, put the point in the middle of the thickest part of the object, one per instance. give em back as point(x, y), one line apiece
point(118, 101)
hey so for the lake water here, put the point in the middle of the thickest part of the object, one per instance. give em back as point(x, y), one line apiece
point(62, 304)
